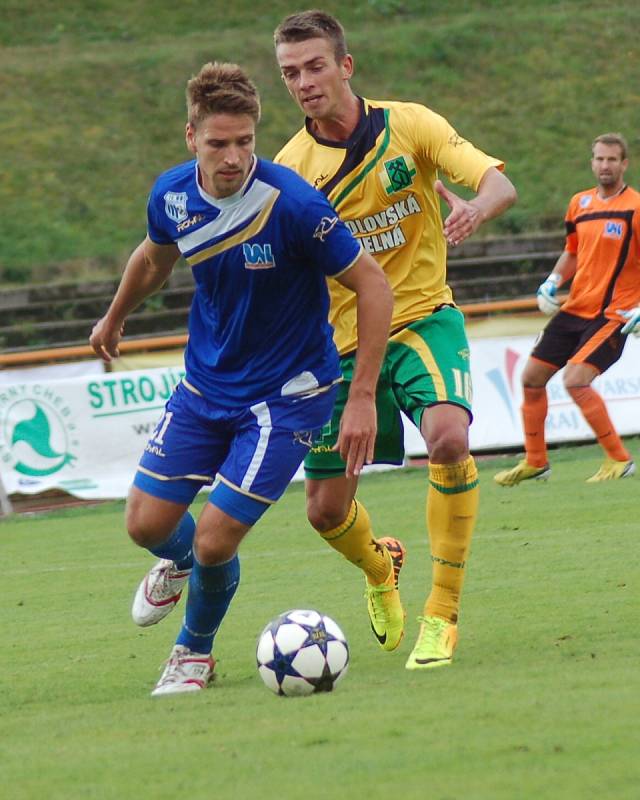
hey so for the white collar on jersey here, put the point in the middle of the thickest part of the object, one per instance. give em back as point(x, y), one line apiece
point(226, 202)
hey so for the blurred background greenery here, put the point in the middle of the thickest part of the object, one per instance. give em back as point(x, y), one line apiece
point(92, 102)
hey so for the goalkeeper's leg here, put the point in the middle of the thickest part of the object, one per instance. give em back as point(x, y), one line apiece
point(534, 408)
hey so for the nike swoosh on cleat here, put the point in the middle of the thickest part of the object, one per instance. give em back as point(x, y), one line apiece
point(381, 639)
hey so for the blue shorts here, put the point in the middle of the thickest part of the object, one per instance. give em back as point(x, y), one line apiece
point(251, 453)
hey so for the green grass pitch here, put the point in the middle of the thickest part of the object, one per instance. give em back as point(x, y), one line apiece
point(541, 701)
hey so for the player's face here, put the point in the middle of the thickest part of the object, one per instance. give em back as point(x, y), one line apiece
point(314, 79)
point(608, 166)
point(224, 145)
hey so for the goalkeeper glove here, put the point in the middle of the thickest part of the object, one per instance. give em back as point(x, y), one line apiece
point(633, 321)
point(546, 295)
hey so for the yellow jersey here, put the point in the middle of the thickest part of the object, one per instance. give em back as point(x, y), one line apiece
point(381, 183)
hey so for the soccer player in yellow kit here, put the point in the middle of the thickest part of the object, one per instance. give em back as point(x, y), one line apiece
point(378, 164)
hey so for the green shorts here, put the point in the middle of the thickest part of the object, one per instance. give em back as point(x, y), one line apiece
point(426, 363)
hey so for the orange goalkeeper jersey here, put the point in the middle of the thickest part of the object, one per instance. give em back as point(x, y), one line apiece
point(605, 237)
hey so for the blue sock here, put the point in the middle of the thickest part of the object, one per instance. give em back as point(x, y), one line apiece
point(178, 546)
point(210, 592)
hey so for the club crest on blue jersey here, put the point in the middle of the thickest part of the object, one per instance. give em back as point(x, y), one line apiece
point(258, 256)
point(324, 227)
point(175, 206)
point(613, 230)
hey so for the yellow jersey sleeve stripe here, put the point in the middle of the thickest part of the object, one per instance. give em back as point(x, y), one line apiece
point(242, 236)
point(365, 171)
point(420, 347)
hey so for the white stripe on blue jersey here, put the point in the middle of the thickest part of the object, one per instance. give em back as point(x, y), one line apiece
point(260, 260)
point(232, 216)
point(263, 416)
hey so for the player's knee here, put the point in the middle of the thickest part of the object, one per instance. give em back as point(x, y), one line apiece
point(326, 513)
point(573, 382)
point(448, 446)
point(142, 527)
point(571, 389)
point(141, 532)
point(218, 543)
point(536, 375)
point(210, 550)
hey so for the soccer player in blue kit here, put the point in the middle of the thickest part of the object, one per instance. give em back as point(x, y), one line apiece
point(261, 366)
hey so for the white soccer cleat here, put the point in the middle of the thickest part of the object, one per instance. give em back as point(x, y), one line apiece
point(185, 671)
point(158, 593)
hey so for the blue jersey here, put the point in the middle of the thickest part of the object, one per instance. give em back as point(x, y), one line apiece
point(258, 324)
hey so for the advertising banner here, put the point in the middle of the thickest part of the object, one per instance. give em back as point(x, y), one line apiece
point(496, 370)
point(85, 434)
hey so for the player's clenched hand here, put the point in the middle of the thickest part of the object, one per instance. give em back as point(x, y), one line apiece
point(105, 338)
point(633, 321)
point(357, 436)
point(463, 220)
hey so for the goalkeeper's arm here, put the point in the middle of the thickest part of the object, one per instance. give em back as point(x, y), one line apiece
point(564, 270)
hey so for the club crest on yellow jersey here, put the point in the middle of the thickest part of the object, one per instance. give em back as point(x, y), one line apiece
point(397, 174)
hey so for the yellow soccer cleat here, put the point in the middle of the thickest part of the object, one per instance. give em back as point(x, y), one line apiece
point(522, 472)
point(612, 470)
point(436, 642)
point(383, 601)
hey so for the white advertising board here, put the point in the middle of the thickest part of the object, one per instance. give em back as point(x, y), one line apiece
point(85, 434)
point(496, 369)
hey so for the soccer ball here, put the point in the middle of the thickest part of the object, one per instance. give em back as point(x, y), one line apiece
point(302, 652)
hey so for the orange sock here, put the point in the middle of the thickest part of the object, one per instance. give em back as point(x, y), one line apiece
point(534, 413)
point(595, 412)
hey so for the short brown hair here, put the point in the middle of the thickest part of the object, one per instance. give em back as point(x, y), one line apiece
point(313, 24)
point(221, 89)
point(611, 138)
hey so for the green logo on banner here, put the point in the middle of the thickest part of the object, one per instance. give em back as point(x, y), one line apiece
point(36, 436)
point(398, 174)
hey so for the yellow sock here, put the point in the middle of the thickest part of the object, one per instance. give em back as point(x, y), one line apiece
point(452, 508)
point(354, 539)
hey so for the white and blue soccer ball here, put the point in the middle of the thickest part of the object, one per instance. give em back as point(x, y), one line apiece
point(302, 652)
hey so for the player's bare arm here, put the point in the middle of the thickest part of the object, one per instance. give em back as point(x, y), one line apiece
point(565, 267)
point(495, 194)
point(374, 306)
point(146, 271)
